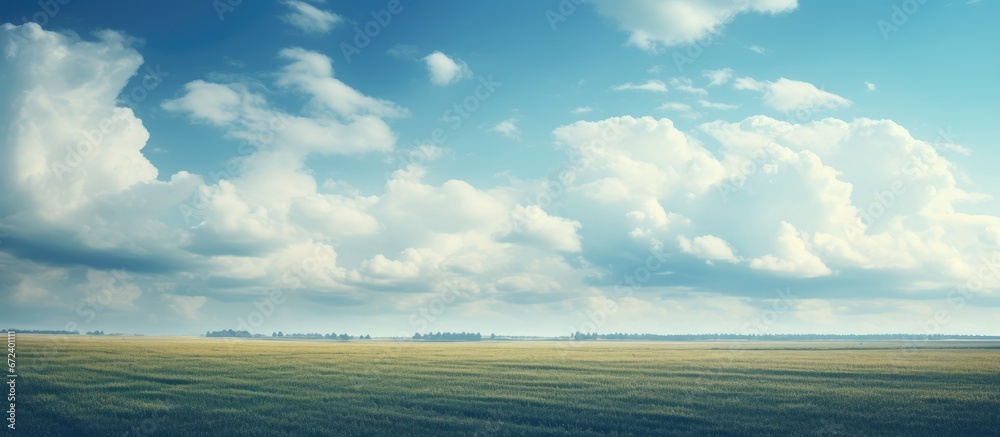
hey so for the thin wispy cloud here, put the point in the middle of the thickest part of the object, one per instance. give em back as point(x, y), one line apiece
point(507, 128)
point(789, 95)
point(687, 85)
point(719, 77)
point(309, 18)
point(712, 105)
point(674, 106)
point(656, 86)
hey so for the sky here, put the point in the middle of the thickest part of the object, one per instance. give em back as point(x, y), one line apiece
point(521, 168)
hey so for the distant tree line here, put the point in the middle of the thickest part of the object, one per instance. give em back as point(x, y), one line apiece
point(44, 331)
point(331, 336)
point(279, 334)
point(579, 336)
point(231, 333)
point(448, 336)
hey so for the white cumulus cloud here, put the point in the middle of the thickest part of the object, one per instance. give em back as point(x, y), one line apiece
point(444, 70)
point(507, 128)
point(707, 247)
point(655, 23)
point(795, 258)
point(309, 18)
point(790, 95)
point(718, 77)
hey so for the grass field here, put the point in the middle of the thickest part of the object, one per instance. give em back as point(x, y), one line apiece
point(203, 387)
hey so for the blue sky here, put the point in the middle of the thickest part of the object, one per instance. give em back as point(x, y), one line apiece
point(510, 167)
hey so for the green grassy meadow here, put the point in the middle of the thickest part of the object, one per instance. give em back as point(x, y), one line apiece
point(177, 386)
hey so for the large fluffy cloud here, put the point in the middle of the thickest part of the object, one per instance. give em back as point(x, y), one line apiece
point(412, 237)
point(652, 23)
point(797, 200)
point(263, 222)
point(77, 187)
point(65, 138)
